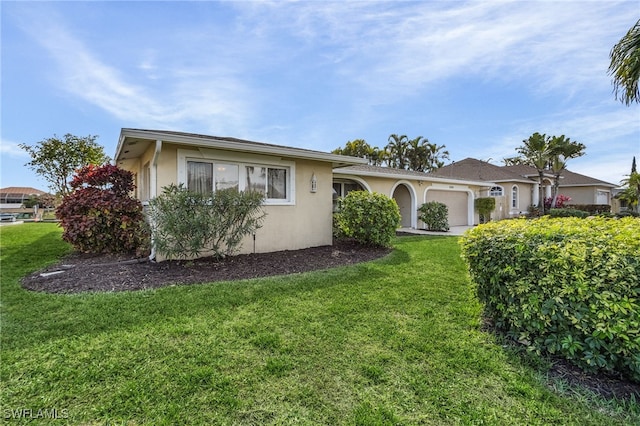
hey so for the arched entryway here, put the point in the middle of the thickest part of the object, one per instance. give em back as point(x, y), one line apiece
point(405, 198)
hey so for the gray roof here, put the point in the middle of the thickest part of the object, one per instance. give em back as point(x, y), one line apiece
point(366, 170)
point(470, 168)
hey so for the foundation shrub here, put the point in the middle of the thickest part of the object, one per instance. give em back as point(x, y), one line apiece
point(564, 286)
point(369, 218)
point(484, 206)
point(100, 215)
point(187, 224)
point(567, 212)
point(435, 216)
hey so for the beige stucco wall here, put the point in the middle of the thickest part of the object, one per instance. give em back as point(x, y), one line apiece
point(584, 195)
point(418, 189)
point(504, 209)
point(307, 222)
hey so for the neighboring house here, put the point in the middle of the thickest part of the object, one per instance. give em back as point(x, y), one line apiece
point(411, 189)
point(516, 187)
point(297, 183)
point(12, 198)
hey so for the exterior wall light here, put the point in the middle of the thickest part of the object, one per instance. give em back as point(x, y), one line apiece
point(314, 183)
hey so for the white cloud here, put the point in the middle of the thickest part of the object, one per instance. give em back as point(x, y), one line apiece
point(186, 95)
point(11, 149)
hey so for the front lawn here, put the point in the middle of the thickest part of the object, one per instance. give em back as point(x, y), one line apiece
point(393, 341)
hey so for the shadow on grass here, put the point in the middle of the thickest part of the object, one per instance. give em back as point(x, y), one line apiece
point(38, 317)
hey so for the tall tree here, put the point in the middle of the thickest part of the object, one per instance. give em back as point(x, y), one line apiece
point(56, 160)
point(360, 148)
point(513, 161)
point(561, 149)
point(397, 149)
point(536, 152)
point(424, 156)
point(633, 165)
point(631, 194)
point(625, 66)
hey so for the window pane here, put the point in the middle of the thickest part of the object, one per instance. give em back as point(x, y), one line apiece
point(277, 184)
point(226, 176)
point(199, 176)
point(348, 187)
point(257, 179)
point(337, 189)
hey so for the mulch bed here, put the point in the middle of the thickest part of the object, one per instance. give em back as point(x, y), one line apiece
point(80, 272)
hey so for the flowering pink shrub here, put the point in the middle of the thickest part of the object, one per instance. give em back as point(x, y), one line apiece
point(561, 201)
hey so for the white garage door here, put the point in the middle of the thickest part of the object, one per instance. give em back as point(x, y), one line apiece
point(456, 202)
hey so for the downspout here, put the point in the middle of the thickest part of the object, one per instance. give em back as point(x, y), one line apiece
point(153, 188)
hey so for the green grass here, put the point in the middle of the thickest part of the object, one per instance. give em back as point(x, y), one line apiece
point(394, 341)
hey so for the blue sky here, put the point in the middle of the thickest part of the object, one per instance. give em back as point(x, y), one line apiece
point(477, 77)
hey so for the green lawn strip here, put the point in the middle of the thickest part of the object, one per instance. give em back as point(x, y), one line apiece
point(395, 341)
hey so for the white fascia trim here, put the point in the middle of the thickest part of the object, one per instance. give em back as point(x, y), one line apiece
point(414, 200)
point(357, 179)
point(243, 147)
point(411, 177)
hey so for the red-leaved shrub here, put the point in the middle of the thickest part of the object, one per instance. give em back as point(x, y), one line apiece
point(100, 216)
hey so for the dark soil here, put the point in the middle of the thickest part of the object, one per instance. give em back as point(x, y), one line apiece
point(85, 272)
point(106, 273)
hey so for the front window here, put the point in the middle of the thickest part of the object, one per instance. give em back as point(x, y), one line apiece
point(514, 197)
point(226, 176)
point(496, 191)
point(272, 182)
point(277, 184)
point(199, 176)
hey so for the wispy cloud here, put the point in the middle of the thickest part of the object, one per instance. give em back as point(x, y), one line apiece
point(11, 149)
point(185, 95)
point(391, 48)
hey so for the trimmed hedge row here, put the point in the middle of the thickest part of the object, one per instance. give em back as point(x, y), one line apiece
point(565, 286)
point(592, 209)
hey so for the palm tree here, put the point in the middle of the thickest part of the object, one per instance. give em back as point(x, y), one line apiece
point(631, 193)
point(536, 152)
point(625, 66)
point(561, 150)
point(397, 148)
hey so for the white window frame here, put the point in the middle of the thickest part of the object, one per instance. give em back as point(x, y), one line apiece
point(241, 160)
point(515, 192)
point(492, 191)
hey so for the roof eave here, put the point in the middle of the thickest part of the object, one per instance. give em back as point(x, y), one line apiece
point(335, 159)
point(425, 178)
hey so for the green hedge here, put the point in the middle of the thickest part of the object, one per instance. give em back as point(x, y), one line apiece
point(369, 218)
point(568, 213)
point(435, 216)
point(592, 209)
point(565, 286)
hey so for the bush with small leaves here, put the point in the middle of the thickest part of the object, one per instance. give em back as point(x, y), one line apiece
point(369, 218)
point(484, 206)
point(566, 212)
point(435, 216)
point(188, 224)
point(565, 286)
point(100, 215)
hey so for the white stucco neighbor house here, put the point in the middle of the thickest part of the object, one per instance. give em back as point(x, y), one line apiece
point(515, 188)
